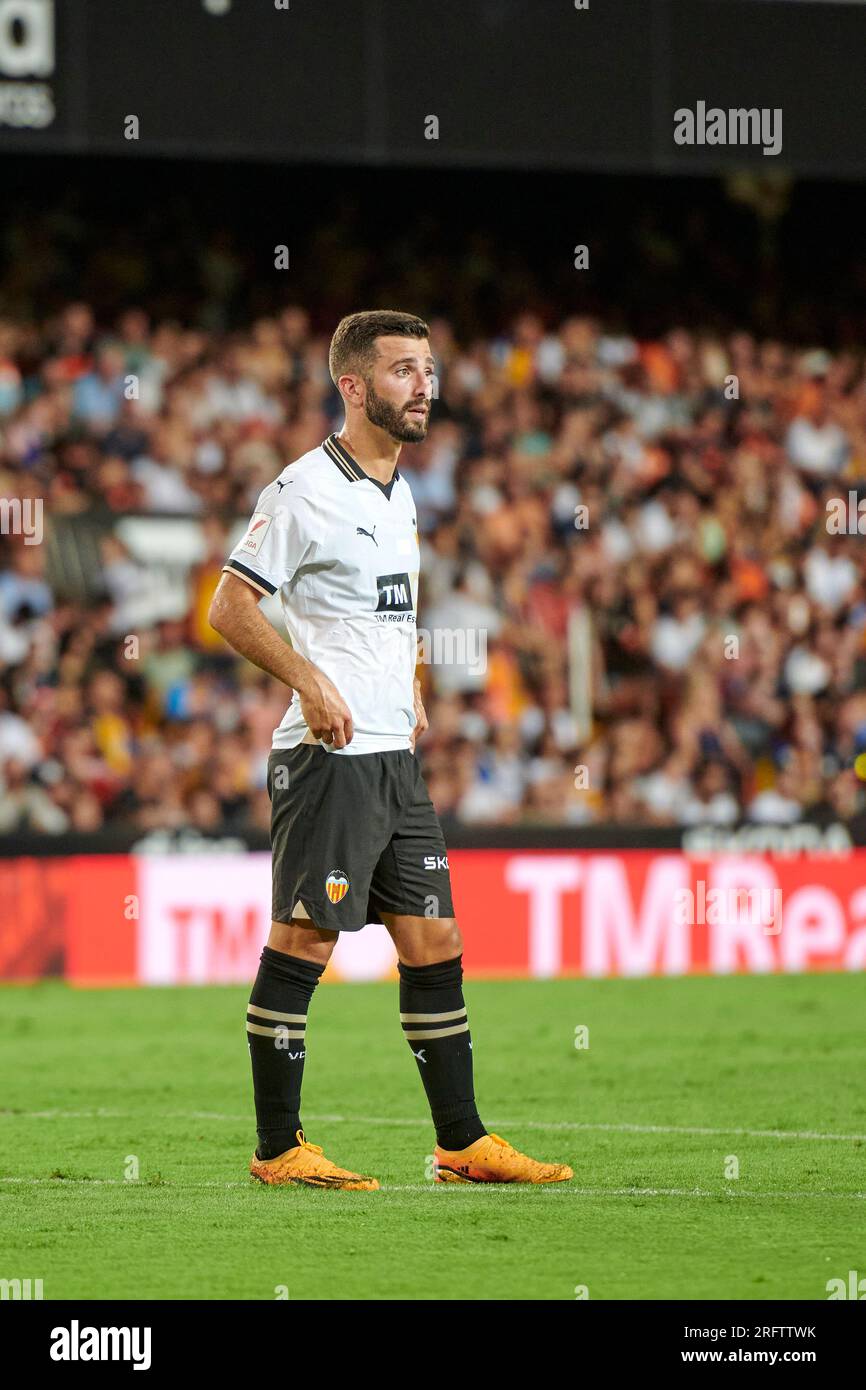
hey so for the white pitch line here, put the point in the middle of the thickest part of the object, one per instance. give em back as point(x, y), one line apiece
point(568, 1125)
point(450, 1187)
point(630, 1191)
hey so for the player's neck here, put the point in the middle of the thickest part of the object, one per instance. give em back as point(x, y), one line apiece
point(372, 448)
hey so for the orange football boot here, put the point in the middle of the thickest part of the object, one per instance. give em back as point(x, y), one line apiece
point(307, 1165)
point(491, 1159)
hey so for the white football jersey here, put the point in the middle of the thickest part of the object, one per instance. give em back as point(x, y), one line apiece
point(343, 552)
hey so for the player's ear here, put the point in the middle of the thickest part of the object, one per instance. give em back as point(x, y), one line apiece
point(352, 388)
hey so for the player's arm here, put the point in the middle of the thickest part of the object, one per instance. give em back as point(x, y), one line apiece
point(421, 722)
point(235, 614)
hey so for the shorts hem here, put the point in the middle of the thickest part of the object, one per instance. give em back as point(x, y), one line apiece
point(315, 916)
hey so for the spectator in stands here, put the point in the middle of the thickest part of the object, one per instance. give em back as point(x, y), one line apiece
point(572, 469)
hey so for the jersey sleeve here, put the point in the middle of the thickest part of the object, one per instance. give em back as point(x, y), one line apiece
point(276, 543)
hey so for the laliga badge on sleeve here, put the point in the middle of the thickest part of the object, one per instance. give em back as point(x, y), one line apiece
point(259, 526)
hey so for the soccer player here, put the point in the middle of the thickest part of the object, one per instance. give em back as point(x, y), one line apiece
point(354, 835)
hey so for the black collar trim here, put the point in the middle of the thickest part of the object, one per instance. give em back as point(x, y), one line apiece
point(343, 459)
point(350, 467)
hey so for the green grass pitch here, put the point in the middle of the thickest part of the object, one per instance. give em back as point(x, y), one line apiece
point(679, 1078)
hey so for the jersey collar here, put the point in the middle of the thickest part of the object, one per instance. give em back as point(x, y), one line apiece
point(350, 468)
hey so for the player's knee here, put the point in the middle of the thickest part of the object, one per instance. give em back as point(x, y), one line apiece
point(302, 939)
point(446, 938)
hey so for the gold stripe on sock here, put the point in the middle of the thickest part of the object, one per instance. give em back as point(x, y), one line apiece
point(273, 1013)
point(431, 1018)
point(432, 1033)
point(274, 1032)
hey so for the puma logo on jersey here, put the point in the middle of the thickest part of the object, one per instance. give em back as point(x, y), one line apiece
point(359, 531)
point(285, 484)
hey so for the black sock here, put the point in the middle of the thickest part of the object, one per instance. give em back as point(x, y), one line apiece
point(276, 1021)
point(434, 1021)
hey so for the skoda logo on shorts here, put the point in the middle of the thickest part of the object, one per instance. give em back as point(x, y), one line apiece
point(336, 885)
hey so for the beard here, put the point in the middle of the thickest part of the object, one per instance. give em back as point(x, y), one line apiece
point(394, 419)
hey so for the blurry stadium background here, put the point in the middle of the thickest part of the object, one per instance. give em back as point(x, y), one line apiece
point(645, 642)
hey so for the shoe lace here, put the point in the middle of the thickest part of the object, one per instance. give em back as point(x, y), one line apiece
point(505, 1145)
point(305, 1144)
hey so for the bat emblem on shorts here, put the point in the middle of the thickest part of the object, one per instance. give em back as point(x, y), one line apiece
point(336, 885)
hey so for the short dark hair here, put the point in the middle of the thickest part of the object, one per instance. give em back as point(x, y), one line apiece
point(353, 346)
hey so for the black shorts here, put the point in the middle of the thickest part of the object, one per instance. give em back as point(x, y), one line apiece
point(353, 836)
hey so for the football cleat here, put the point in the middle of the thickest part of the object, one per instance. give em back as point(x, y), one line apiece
point(306, 1165)
point(491, 1159)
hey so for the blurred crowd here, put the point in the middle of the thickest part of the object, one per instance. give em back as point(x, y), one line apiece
point(631, 534)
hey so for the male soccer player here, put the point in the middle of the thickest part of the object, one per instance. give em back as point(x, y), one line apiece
point(354, 835)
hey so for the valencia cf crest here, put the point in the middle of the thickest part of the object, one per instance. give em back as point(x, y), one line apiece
point(336, 885)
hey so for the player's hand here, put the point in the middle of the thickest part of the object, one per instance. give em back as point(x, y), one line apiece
point(421, 722)
point(325, 711)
